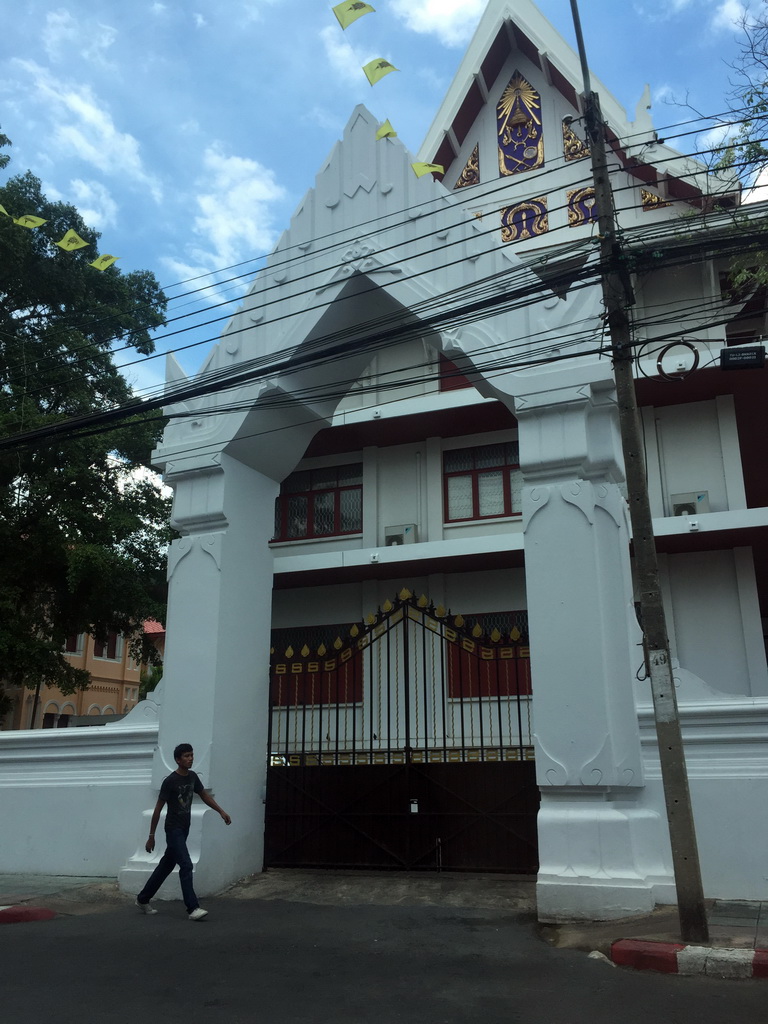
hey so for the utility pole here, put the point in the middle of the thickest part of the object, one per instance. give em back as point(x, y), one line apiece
point(617, 296)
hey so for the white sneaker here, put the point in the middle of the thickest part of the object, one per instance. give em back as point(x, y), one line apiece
point(197, 914)
point(145, 908)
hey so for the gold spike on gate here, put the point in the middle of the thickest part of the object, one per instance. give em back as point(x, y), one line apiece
point(354, 631)
point(459, 621)
point(387, 606)
point(322, 650)
point(495, 635)
point(338, 643)
point(289, 652)
point(477, 630)
point(404, 594)
point(440, 611)
point(305, 651)
point(515, 634)
point(423, 601)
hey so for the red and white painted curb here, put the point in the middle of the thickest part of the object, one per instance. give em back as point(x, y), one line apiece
point(18, 914)
point(676, 958)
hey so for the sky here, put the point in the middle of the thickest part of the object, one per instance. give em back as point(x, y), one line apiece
point(188, 132)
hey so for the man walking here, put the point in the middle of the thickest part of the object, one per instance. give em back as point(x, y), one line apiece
point(176, 794)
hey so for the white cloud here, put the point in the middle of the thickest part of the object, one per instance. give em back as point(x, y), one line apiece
point(718, 135)
point(452, 21)
point(759, 191)
point(94, 202)
point(199, 20)
point(251, 9)
point(65, 38)
point(728, 16)
point(662, 11)
point(342, 58)
point(234, 219)
point(79, 126)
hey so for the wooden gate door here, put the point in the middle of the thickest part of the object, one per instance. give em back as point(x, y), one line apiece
point(403, 742)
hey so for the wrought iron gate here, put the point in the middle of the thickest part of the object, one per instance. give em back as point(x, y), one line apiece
point(403, 742)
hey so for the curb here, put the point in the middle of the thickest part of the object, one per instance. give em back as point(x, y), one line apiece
point(676, 958)
point(23, 915)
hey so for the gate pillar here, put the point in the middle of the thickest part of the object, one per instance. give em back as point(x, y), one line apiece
point(216, 667)
point(603, 852)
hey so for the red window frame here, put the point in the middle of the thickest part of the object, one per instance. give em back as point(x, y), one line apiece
point(510, 465)
point(108, 650)
point(283, 530)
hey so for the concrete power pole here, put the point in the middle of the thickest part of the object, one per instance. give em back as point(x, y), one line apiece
point(617, 295)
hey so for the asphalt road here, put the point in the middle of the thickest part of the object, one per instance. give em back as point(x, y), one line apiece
point(283, 962)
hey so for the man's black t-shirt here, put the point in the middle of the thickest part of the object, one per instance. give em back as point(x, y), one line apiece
point(178, 791)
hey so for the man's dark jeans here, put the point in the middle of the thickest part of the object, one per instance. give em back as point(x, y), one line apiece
point(175, 853)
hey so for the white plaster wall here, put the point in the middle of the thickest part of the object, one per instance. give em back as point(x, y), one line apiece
point(690, 452)
point(726, 745)
point(400, 487)
point(465, 593)
point(72, 799)
point(709, 628)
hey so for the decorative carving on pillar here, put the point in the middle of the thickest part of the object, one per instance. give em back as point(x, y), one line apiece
point(581, 496)
point(179, 549)
point(211, 544)
point(534, 500)
point(601, 769)
point(549, 767)
point(578, 585)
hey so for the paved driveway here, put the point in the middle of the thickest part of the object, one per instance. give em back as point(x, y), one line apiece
point(290, 962)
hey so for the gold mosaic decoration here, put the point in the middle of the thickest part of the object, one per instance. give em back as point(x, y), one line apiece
point(471, 173)
point(574, 148)
point(518, 123)
point(582, 208)
point(524, 220)
point(651, 201)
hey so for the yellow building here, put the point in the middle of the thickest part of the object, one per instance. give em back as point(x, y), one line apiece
point(114, 688)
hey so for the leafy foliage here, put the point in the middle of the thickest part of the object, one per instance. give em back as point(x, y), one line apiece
point(82, 529)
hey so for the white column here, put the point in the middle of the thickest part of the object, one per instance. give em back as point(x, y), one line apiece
point(216, 671)
point(603, 849)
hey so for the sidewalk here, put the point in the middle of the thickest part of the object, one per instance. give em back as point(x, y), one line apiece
point(738, 945)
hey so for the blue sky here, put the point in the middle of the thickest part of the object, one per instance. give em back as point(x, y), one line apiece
point(187, 132)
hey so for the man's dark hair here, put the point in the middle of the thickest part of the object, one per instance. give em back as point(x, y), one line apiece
point(183, 748)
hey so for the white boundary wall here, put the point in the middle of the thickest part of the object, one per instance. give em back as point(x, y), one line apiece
point(71, 800)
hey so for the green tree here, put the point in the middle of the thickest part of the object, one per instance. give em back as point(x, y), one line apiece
point(744, 153)
point(83, 530)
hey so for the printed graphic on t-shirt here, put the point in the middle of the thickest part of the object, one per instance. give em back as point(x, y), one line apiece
point(186, 792)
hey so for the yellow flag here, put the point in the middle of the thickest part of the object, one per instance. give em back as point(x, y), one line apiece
point(28, 221)
point(386, 131)
point(421, 169)
point(351, 11)
point(104, 261)
point(4, 211)
point(72, 241)
point(376, 69)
